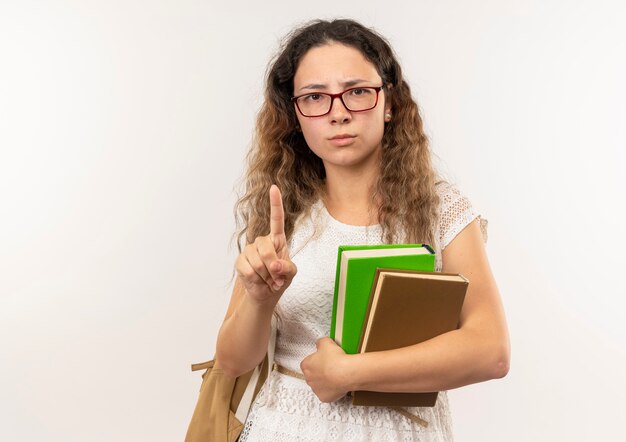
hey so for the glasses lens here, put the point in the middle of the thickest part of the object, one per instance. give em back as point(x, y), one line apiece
point(359, 99)
point(313, 105)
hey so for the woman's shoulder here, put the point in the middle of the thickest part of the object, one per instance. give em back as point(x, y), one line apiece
point(451, 197)
point(448, 191)
point(455, 212)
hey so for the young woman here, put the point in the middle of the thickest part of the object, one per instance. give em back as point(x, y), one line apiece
point(340, 157)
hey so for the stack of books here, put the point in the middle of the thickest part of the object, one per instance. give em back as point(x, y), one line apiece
point(388, 296)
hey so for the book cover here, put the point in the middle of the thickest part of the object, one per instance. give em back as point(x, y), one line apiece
point(356, 268)
point(406, 308)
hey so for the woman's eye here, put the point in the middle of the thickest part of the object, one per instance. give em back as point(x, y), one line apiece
point(360, 91)
point(313, 97)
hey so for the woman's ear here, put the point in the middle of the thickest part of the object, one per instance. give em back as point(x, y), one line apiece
point(388, 113)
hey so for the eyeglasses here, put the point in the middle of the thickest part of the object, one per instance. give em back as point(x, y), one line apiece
point(356, 99)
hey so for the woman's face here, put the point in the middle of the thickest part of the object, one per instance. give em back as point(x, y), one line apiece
point(333, 68)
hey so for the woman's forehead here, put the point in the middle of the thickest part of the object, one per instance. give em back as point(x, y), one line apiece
point(333, 64)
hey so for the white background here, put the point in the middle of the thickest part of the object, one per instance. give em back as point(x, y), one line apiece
point(123, 128)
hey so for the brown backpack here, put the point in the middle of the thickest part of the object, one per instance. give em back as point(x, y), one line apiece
point(224, 402)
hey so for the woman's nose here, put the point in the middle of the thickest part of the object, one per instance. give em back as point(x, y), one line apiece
point(338, 111)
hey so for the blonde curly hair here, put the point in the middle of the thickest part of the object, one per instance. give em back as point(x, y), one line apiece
point(404, 193)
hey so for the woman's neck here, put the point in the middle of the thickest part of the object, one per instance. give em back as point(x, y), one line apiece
point(348, 196)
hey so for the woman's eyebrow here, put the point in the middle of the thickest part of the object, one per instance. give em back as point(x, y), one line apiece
point(346, 84)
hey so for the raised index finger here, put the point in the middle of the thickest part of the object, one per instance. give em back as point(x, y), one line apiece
point(277, 214)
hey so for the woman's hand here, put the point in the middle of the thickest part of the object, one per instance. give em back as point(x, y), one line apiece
point(326, 370)
point(264, 266)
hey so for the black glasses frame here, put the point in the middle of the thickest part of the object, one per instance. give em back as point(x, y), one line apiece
point(337, 95)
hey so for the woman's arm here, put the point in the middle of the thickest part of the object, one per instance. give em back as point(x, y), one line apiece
point(244, 334)
point(264, 272)
point(477, 351)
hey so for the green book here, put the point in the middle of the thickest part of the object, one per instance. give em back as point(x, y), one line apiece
point(356, 269)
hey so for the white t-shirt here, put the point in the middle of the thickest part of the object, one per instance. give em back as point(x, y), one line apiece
point(286, 408)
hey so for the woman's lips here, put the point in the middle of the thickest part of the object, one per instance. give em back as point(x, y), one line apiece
point(342, 140)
